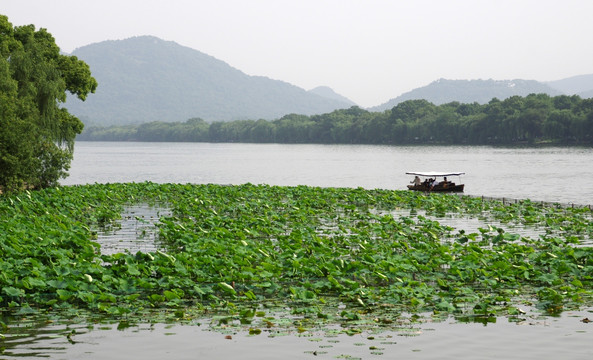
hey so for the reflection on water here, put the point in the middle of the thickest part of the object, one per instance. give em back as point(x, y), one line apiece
point(563, 337)
point(37, 338)
point(463, 223)
point(470, 225)
point(135, 231)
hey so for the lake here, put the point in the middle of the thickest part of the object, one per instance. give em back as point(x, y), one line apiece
point(551, 174)
point(543, 174)
point(563, 337)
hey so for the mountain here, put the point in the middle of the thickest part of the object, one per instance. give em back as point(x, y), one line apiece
point(575, 85)
point(145, 79)
point(586, 94)
point(443, 91)
point(327, 92)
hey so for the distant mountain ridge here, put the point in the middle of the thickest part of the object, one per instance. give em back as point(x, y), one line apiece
point(329, 93)
point(443, 91)
point(145, 79)
point(581, 85)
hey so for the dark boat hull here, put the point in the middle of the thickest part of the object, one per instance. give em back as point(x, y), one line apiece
point(437, 188)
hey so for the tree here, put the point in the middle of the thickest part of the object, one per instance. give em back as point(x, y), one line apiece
point(557, 125)
point(412, 110)
point(37, 134)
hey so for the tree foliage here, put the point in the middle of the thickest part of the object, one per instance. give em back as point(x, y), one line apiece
point(36, 133)
point(534, 118)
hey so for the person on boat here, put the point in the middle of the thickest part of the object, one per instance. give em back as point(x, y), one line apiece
point(432, 183)
point(417, 181)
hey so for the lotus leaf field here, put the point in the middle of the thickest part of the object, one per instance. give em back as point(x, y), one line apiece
point(241, 255)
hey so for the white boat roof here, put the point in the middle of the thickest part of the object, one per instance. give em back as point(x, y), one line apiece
point(436, 173)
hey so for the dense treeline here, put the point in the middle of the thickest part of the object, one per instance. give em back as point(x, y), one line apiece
point(534, 118)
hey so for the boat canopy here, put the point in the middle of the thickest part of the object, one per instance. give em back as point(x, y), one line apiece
point(435, 173)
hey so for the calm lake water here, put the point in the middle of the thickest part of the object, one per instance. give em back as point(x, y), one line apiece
point(563, 337)
point(542, 174)
point(547, 174)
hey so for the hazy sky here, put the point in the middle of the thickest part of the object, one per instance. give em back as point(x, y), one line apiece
point(367, 50)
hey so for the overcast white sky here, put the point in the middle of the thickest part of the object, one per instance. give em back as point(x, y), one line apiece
point(367, 50)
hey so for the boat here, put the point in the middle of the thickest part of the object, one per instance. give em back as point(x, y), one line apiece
point(434, 181)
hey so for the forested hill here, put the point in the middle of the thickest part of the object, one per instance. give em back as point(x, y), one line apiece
point(535, 118)
point(443, 91)
point(145, 79)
